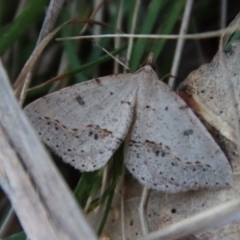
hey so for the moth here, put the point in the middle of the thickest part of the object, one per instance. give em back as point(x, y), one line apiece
point(166, 147)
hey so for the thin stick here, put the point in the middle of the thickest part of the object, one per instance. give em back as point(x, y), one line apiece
point(134, 21)
point(221, 214)
point(210, 34)
point(96, 10)
point(28, 176)
point(48, 24)
point(180, 42)
point(142, 211)
point(117, 41)
point(223, 14)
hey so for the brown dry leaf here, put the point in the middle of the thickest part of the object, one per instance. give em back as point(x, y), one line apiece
point(212, 91)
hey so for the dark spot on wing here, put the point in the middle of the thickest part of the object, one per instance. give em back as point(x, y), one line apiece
point(64, 127)
point(96, 136)
point(126, 102)
point(167, 147)
point(80, 100)
point(98, 81)
point(150, 142)
point(90, 133)
point(166, 108)
point(178, 159)
point(119, 140)
point(183, 107)
point(188, 132)
point(173, 210)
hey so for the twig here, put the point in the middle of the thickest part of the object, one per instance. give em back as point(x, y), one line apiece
point(39, 195)
point(223, 213)
point(180, 42)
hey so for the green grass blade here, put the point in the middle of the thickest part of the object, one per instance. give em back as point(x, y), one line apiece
point(20, 24)
point(150, 21)
point(18, 236)
point(174, 11)
point(116, 170)
point(84, 186)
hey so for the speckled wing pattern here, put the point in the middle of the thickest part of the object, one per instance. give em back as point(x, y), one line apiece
point(166, 146)
point(86, 123)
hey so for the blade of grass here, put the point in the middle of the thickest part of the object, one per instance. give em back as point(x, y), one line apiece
point(235, 36)
point(140, 44)
point(19, 25)
point(174, 11)
point(70, 47)
point(18, 236)
point(117, 166)
point(84, 186)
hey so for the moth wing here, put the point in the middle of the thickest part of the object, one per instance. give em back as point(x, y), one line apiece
point(168, 148)
point(84, 124)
